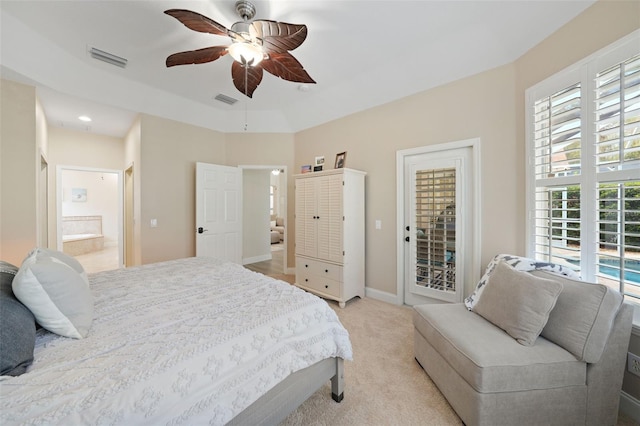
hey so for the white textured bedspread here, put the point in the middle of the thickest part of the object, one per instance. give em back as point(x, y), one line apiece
point(191, 341)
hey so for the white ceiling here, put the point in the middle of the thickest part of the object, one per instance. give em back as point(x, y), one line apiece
point(360, 53)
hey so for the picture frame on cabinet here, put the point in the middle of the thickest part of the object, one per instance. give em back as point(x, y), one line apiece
point(305, 169)
point(317, 168)
point(320, 161)
point(341, 158)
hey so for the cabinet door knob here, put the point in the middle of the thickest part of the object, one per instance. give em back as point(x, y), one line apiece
point(306, 266)
point(306, 279)
point(326, 270)
point(326, 286)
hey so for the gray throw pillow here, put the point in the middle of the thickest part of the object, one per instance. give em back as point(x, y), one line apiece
point(583, 317)
point(17, 327)
point(518, 302)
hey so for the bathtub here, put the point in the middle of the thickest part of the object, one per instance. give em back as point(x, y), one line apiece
point(82, 234)
point(76, 244)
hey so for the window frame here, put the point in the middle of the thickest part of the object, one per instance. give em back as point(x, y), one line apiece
point(583, 72)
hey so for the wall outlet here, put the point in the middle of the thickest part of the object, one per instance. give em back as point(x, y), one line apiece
point(633, 364)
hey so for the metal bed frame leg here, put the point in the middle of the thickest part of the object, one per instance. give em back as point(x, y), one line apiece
point(337, 381)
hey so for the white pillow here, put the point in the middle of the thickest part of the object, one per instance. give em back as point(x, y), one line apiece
point(519, 263)
point(56, 290)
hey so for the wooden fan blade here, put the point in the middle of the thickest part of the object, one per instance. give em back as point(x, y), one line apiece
point(245, 78)
point(278, 37)
point(285, 66)
point(197, 22)
point(199, 56)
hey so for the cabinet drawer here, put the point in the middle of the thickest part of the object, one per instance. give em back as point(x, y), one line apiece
point(320, 284)
point(319, 268)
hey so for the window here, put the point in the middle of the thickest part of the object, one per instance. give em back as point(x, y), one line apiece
point(583, 174)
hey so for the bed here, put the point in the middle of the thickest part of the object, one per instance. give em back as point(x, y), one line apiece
point(189, 341)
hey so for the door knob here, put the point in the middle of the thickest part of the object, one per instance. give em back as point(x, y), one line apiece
point(201, 230)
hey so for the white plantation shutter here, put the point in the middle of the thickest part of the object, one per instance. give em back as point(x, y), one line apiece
point(583, 179)
point(618, 116)
point(557, 133)
point(557, 224)
point(619, 235)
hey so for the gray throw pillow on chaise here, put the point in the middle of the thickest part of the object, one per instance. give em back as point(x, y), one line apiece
point(583, 317)
point(518, 302)
point(17, 327)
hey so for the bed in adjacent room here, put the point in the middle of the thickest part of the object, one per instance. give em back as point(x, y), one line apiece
point(189, 341)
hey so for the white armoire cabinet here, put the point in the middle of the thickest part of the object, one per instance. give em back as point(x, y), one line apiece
point(329, 220)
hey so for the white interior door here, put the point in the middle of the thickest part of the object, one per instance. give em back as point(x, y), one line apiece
point(219, 212)
point(438, 211)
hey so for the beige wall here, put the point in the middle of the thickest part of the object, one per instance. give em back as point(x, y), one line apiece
point(42, 169)
point(133, 161)
point(256, 242)
point(19, 162)
point(273, 149)
point(82, 149)
point(482, 107)
point(169, 151)
point(78, 149)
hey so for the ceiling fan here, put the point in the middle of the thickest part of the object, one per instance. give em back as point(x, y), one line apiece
point(255, 46)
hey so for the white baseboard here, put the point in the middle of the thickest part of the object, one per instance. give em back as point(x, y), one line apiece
point(255, 259)
point(383, 296)
point(630, 406)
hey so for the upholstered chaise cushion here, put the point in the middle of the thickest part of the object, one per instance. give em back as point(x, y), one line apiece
point(583, 316)
point(489, 359)
point(17, 327)
point(518, 302)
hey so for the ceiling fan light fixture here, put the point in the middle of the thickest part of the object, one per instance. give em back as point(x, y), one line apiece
point(246, 53)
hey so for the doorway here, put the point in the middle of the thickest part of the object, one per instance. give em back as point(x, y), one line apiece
point(129, 255)
point(90, 216)
point(43, 205)
point(438, 222)
point(266, 213)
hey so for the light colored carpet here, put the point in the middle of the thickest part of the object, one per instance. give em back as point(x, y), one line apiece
point(384, 385)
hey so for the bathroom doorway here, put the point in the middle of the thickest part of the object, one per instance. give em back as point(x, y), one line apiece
point(89, 216)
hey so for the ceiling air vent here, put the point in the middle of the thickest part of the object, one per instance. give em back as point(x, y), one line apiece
point(226, 99)
point(107, 57)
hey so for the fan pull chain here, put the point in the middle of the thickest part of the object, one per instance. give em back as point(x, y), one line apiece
point(245, 116)
point(246, 101)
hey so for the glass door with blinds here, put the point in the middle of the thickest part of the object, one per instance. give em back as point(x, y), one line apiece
point(435, 193)
point(435, 228)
